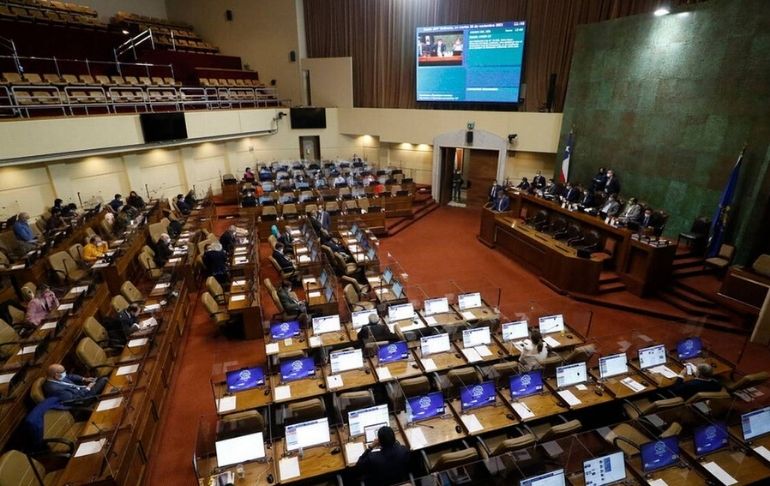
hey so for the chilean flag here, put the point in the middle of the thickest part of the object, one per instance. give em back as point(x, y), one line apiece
point(563, 177)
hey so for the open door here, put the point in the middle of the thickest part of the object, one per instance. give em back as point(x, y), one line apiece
point(310, 147)
point(482, 171)
point(448, 155)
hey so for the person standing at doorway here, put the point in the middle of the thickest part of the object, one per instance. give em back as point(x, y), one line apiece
point(457, 185)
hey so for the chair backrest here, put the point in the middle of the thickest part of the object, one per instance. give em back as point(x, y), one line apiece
point(76, 252)
point(90, 354)
point(62, 264)
point(418, 385)
point(351, 296)
point(289, 209)
point(16, 469)
point(28, 291)
point(463, 376)
point(306, 410)
point(269, 285)
point(8, 335)
point(209, 303)
point(118, 303)
point(311, 208)
point(17, 315)
point(748, 381)
point(148, 250)
point(363, 203)
point(36, 390)
point(561, 430)
point(514, 444)
point(727, 252)
point(214, 287)
point(94, 330)
point(354, 400)
point(580, 354)
point(129, 291)
point(662, 404)
point(157, 229)
point(762, 265)
point(4, 261)
point(272, 240)
point(451, 460)
point(56, 424)
point(148, 264)
point(505, 369)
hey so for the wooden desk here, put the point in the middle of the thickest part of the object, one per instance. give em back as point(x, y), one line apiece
point(285, 346)
point(719, 365)
point(647, 268)
point(508, 346)
point(659, 380)
point(487, 228)
point(106, 420)
point(436, 431)
point(255, 472)
point(542, 405)
point(498, 352)
point(315, 461)
point(676, 475)
point(398, 369)
point(248, 306)
point(351, 379)
point(566, 340)
point(587, 397)
point(745, 468)
point(345, 438)
point(485, 312)
point(618, 389)
point(446, 319)
point(491, 417)
point(577, 479)
point(300, 389)
point(334, 338)
point(246, 399)
point(443, 361)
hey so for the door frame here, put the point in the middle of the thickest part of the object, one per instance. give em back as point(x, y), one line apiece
point(315, 140)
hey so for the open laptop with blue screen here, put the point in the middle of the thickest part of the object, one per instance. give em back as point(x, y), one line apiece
point(689, 348)
point(479, 395)
point(297, 369)
point(424, 407)
point(526, 384)
point(755, 424)
point(709, 438)
point(605, 470)
point(388, 353)
point(244, 379)
point(284, 330)
point(659, 454)
point(553, 478)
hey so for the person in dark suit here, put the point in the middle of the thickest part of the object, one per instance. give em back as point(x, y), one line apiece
point(588, 200)
point(538, 182)
point(703, 381)
point(249, 200)
point(324, 218)
point(135, 200)
point(289, 301)
point(571, 194)
point(279, 257)
point(116, 203)
point(163, 250)
point(227, 240)
point(523, 185)
point(375, 331)
point(599, 180)
point(129, 321)
point(67, 387)
point(552, 190)
point(612, 185)
point(648, 220)
point(183, 207)
point(492, 196)
point(386, 466)
point(215, 261)
point(610, 208)
point(502, 203)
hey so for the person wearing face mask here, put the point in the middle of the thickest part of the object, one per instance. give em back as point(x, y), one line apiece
point(44, 302)
point(95, 249)
point(68, 387)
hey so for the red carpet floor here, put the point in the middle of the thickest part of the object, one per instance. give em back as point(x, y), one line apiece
point(438, 255)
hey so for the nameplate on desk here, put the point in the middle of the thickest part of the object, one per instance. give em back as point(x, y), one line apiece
point(581, 387)
point(27, 350)
point(90, 447)
point(553, 449)
point(49, 325)
point(240, 260)
point(6, 378)
point(468, 315)
point(334, 381)
point(522, 410)
point(127, 370)
point(295, 232)
point(148, 323)
point(79, 289)
point(316, 341)
point(431, 320)
point(64, 307)
point(353, 450)
point(282, 392)
point(288, 342)
point(100, 264)
point(569, 397)
point(105, 405)
point(303, 259)
point(664, 370)
point(307, 281)
point(551, 342)
point(179, 252)
point(762, 451)
point(163, 285)
point(634, 385)
point(471, 355)
point(174, 261)
point(655, 420)
point(225, 404)
point(17, 266)
point(416, 438)
point(719, 473)
point(136, 343)
point(238, 298)
point(240, 251)
point(656, 482)
point(288, 468)
point(300, 249)
point(383, 373)
point(313, 295)
point(471, 423)
point(272, 348)
point(151, 307)
point(239, 283)
point(428, 364)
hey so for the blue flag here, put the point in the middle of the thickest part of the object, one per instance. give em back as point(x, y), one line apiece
point(721, 216)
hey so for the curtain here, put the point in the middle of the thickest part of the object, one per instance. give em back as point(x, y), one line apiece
point(380, 37)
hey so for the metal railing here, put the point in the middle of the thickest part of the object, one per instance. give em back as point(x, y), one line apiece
point(132, 43)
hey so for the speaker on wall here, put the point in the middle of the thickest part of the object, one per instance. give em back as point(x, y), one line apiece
point(293, 56)
point(469, 137)
point(229, 15)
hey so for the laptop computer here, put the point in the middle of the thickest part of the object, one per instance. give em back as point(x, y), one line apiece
point(755, 424)
point(526, 384)
point(710, 438)
point(424, 407)
point(479, 395)
point(659, 454)
point(296, 369)
point(244, 379)
point(284, 330)
point(689, 348)
point(388, 353)
point(605, 470)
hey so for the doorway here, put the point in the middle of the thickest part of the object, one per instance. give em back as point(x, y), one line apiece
point(480, 174)
point(310, 147)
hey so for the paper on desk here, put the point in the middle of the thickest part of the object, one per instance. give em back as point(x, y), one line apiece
point(522, 410)
point(282, 392)
point(48, 325)
point(239, 283)
point(719, 473)
point(174, 261)
point(288, 342)
point(79, 289)
point(762, 451)
point(64, 307)
point(6, 378)
point(656, 482)
point(703, 407)
point(314, 294)
point(416, 438)
point(90, 447)
point(431, 320)
point(127, 370)
point(147, 323)
point(383, 373)
point(238, 298)
point(163, 285)
point(471, 355)
point(551, 342)
point(100, 264)
point(272, 348)
point(151, 307)
point(240, 260)
point(27, 349)
point(353, 450)
point(634, 385)
point(483, 350)
point(552, 448)
point(468, 315)
point(288, 468)
point(308, 280)
point(135, 343)
point(663, 370)
point(471, 423)
point(333, 381)
point(109, 404)
point(227, 403)
point(303, 259)
point(428, 364)
point(315, 341)
point(569, 397)
point(581, 387)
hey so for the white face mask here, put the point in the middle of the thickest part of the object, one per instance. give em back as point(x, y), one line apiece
point(63, 376)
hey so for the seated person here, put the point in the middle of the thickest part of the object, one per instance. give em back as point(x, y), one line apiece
point(265, 174)
point(55, 222)
point(386, 466)
point(129, 321)
point(610, 208)
point(183, 207)
point(116, 203)
point(248, 175)
point(44, 302)
point(249, 200)
point(319, 180)
point(216, 262)
point(339, 181)
point(23, 233)
point(67, 210)
point(631, 213)
point(552, 190)
point(534, 353)
point(648, 220)
point(588, 200)
point(337, 247)
point(228, 240)
point(190, 199)
point(502, 202)
point(351, 180)
point(538, 182)
point(571, 194)
point(285, 239)
point(283, 262)
point(523, 185)
point(703, 381)
point(135, 200)
point(94, 249)
point(375, 330)
point(289, 301)
point(69, 387)
point(163, 250)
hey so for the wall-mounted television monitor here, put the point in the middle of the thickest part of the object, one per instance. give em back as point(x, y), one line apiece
point(308, 117)
point(470, 62)
point(163, 127)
